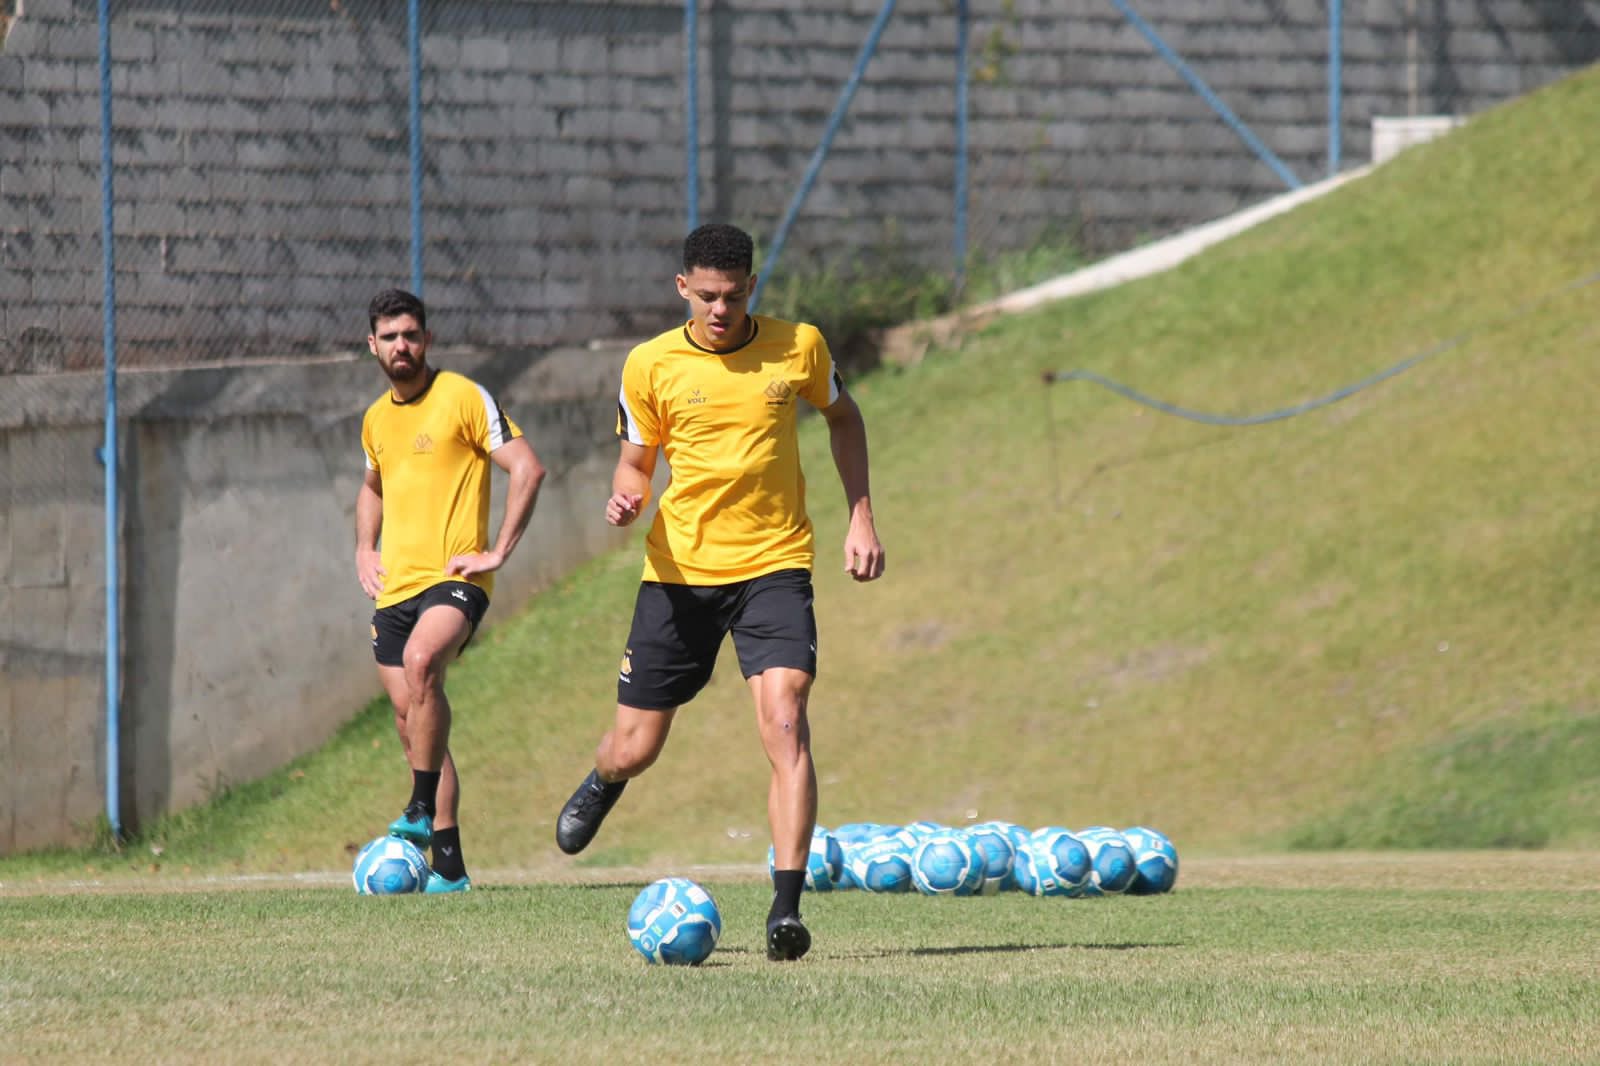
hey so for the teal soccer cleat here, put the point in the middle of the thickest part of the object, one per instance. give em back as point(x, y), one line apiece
point(438, 884)
point(415, 825)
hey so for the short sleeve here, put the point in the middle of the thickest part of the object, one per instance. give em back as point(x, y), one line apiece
point(487, 426)
point(822, 383)
point(367, 446)
point(638, 421)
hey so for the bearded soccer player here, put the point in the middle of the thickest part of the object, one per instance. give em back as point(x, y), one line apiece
point(731, 546)
point(430, 441)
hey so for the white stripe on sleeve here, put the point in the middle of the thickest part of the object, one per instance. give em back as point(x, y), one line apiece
point(630, 428)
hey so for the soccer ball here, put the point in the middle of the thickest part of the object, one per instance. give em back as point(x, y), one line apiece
point(944, 864)
point(389, 866)
point(855, 832)
point(674, 921)
point(1155, 858)
point(995, 850)
point(824, 862)
point(1052, 863)
point(882, 865)
point(1111, 860)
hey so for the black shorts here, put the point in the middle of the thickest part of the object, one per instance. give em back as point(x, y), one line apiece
point(392, 625)
point(678, 629)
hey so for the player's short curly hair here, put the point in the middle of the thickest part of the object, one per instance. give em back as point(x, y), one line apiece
point(718, 246)
point(392, 302)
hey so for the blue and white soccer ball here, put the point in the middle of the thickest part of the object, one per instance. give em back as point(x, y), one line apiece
point(674, 921)
point(824, 862)
point(994, 848)
point(880, 865)
point(389, 866)
point(1155, 858)
point(856, 832)
point(944, 864)
point(1111, 859)
point(1053, 862)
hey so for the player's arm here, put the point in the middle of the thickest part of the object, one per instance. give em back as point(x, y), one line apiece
point(630, 482)
point(516, 457)
point(369, 524)
point(847, 436)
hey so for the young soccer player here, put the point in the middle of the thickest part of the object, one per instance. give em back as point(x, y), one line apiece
point(430, 441)
point(731, 547)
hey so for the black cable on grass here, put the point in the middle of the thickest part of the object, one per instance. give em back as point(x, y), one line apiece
point(1050, 377)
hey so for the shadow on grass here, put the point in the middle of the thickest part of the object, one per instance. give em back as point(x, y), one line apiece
point(998, 949)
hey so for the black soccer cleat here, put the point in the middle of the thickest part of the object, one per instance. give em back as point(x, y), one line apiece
point(580, 819)
point(787, 939)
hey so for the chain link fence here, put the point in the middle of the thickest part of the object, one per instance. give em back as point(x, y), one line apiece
point(263, 184)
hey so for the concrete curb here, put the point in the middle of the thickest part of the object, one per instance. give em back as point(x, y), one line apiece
point(906, 345)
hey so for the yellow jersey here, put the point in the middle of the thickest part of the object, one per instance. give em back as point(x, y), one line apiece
point(735, 507)
point(432, 455)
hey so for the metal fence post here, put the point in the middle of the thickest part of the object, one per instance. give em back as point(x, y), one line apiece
point(108, 450)
point(414, 50)
point(1335, 84)
point(691, 77)
point(960, 248)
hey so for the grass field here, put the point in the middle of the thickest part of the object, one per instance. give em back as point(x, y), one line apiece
point(1368, 627)
point(1445, 957)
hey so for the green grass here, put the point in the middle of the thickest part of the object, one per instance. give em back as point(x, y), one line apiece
point(1097, 614)
point(1335, 973)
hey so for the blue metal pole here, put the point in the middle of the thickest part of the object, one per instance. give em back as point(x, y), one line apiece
point(815, 166)
point(1176, 62)
point(691, 75)
point(960, 249)
point(414, 46)
point(108, 451)
point(1335, 84)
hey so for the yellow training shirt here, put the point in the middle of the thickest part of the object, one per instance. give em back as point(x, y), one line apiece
point(432, 454)
point(736, 505)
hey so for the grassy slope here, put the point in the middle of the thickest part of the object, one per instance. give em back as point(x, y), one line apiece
point(1095, 613)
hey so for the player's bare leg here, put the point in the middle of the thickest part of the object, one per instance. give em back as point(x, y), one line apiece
point(434, 643)
point(781, 695)
point(629, 748)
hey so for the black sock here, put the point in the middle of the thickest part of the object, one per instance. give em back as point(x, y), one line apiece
point(786, 886)
point(425, 788)
point(447, 860)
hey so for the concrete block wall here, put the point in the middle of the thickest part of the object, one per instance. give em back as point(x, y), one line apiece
point(244, 632)
point(262, 168)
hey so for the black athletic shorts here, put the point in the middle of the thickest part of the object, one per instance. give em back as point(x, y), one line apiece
point(392, 625)
point(678, 629)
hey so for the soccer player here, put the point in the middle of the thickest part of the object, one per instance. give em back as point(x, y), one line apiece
point(730, 549)
point(430, 440)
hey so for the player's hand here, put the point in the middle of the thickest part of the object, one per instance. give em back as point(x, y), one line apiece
point(623, 508)
point(370, 572)
point(863, 554)
point(473, 563)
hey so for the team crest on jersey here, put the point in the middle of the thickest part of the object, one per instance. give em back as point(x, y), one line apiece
point(626, 668)
point(423, 445)
point(778, 393)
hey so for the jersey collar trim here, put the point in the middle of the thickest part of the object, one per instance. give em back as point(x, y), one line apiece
point(755, 329)
point(433, 375)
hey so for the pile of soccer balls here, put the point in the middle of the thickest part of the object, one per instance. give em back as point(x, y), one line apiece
point(990, 857)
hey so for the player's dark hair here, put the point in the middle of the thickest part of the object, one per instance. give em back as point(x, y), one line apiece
point(718, 246)
point(392, 302)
